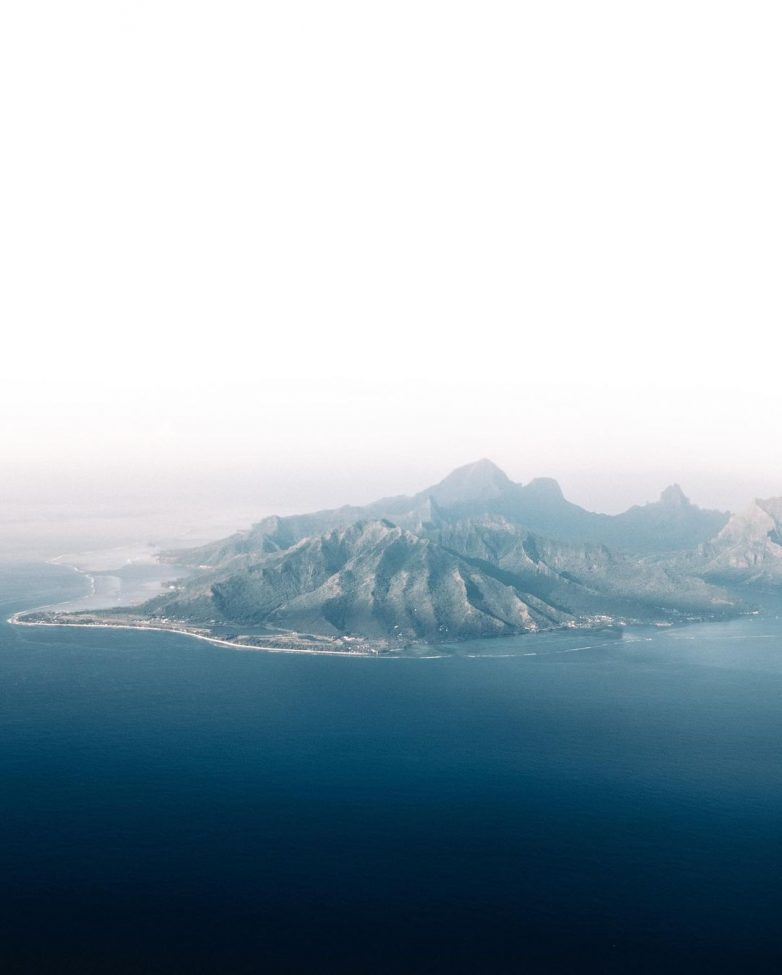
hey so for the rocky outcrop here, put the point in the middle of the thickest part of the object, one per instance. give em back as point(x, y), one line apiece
point(749, 547)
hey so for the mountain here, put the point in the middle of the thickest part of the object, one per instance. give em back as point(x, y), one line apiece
point(669, 525)
point(372, 578)
point(473, 577)
point(472, 484)
point(475, 555)
point(672, 524)
point(585, 578)
point(748, 549)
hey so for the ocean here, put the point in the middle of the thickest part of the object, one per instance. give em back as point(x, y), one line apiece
point(558, 803)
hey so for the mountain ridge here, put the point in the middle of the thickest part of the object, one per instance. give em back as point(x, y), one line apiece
point(748, 549)
point(474, 555)
point(483, 488)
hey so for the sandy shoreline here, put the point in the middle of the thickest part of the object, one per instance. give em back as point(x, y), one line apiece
point(15, 620)
point(127, 622)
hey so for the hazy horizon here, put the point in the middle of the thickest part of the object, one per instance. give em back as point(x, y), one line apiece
point(297, 487)
point(287, 257)
point(50, 518)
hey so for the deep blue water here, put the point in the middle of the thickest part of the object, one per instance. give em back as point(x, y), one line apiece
point(170, 806)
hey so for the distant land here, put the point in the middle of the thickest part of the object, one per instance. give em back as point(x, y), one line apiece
point(473, 556)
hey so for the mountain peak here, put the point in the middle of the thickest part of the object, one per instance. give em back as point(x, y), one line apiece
point(479, 481)
point(545, 488)
point(673, 496)
point(772, 507)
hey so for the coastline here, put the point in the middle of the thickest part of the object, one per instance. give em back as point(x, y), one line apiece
point(62, 617)
point(393, 653)
point(14, 620)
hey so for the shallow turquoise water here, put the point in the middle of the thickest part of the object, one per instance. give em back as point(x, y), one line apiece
point(174, 806)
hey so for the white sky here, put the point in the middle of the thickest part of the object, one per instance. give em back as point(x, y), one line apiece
point(348, 246)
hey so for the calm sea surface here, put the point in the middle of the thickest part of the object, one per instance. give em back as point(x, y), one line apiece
point(603, 805)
